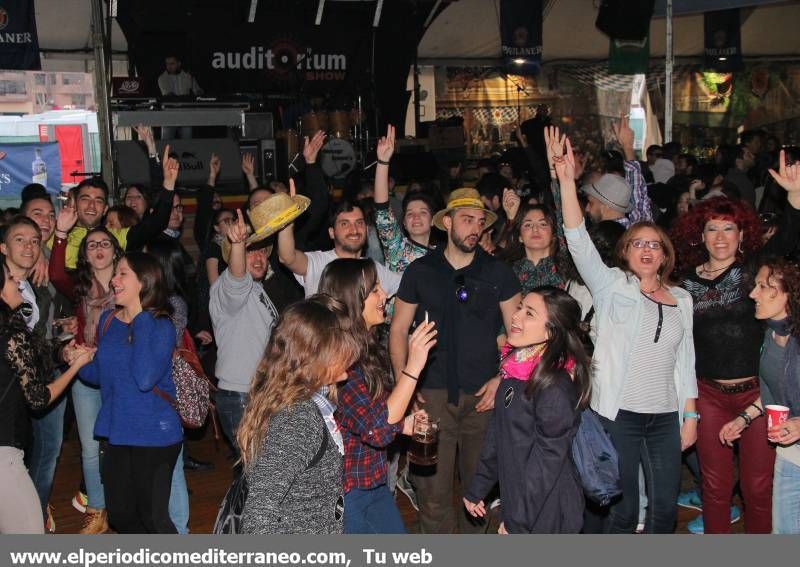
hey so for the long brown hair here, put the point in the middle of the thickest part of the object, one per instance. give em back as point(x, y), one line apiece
point(154, 295)
point(667, 266)
point(351, 280)
point(308, 348)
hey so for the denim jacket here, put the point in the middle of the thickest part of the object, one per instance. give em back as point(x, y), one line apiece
point(618, 312)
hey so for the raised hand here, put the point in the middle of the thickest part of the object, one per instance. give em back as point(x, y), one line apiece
point(145, 134)
point(170, 167)
point(788, 175)
point(66, 218)
point(420, 343)
point(236, 232)
point(312, 147)
point(565, 165)
point(214, 167)
point(40, 275)
point(249, 164)
point(624, 134)
point(554, 144)
point(385, 147)
point(511, 203)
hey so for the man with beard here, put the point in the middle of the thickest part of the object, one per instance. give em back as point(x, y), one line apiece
point(348, 230)
point(469, 294)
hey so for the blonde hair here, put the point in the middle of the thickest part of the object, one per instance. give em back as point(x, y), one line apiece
point(310, 346)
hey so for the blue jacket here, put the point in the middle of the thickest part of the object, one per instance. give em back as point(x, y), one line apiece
point(130, 360)
point(617, 302)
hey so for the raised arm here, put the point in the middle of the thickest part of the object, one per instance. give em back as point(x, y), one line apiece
point(249, 170)
point(788, 231)
point(642, 209)
point(61, 280)
point(288, 254)
point(153, 225)
point(384, 152)
point(315, 189)
point(587, 260)
point(236, 233)
point(205, 203)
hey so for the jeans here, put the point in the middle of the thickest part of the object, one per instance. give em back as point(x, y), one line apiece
point(86, 400)
point(756, 462)
point(48, 433)
point(654, 440)
point(461, 434)
point(372, 511)
point(786, 497)
point(230, 407)
point(179, 498)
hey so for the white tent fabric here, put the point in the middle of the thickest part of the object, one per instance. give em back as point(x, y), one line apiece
point(470, 29)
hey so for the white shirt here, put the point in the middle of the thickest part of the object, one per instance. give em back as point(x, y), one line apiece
point(181, 84)
point(318, 259)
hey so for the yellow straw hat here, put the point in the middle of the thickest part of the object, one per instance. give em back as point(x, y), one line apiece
point(464, 198)
point(270, 216)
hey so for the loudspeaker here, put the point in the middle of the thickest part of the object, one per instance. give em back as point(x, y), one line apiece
point(264, 152)
point(625, 19)
point(257, 125)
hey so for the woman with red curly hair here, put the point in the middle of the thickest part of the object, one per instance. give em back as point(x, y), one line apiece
point(717, 242)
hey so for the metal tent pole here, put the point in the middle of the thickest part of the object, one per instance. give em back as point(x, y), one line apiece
point(668, 78)
point(101, 89)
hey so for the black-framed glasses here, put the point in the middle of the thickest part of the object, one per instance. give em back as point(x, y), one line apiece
point(105, 244)
point(462, 292)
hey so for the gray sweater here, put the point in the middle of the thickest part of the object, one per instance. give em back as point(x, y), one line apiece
point(285, 495)
point(243, 317)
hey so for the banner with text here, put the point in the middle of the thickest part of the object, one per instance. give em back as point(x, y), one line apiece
point(521, 35)
point(19, 43)
point(723, 41)
point(21, 164)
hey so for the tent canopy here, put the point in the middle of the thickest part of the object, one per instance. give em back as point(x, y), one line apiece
point(569, 32)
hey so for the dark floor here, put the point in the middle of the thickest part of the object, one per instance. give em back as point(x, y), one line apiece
point(207, 489)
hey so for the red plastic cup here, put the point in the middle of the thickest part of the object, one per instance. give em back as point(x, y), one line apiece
point(776, 415)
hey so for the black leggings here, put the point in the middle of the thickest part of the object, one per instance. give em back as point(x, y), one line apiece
point(137, 482)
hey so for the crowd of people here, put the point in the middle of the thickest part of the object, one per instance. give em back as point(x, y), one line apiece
point(661, 295)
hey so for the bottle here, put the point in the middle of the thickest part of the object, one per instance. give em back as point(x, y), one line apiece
point(39, 168)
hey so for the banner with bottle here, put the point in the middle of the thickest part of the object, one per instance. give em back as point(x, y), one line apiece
point(21, 164)
point(19, 48)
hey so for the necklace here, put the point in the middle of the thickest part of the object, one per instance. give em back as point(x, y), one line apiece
point(705, 270)
point(651, 292)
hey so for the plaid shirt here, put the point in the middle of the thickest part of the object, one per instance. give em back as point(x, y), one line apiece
point(366, 433)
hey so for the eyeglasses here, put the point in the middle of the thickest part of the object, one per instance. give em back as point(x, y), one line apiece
point(95, 244)
point(651, 244)
point(178, 208)
point(462, 292)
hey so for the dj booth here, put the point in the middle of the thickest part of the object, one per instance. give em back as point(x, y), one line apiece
point(235, 130)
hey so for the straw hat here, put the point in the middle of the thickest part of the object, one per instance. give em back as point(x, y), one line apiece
point(270, 216)
point(464, 198)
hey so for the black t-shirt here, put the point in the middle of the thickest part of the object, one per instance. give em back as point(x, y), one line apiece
point(466, 347)
point(214, 250)
point(727, 335)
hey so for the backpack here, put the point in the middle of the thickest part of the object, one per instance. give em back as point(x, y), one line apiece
point(229, 517)
point(193, 389)
point(596, 459)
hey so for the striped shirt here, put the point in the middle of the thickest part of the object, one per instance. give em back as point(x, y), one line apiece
point(650, 387)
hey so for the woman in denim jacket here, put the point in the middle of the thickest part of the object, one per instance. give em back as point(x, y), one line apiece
point(644, 384)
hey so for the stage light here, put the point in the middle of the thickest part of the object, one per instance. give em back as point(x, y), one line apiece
point(519, 61)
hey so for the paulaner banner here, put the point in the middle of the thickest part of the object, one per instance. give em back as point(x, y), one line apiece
point(521, 34)
point(19, 43)
point(21, 164)
point(723, 41)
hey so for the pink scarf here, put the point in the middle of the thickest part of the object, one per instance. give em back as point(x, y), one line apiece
point(520, 363)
